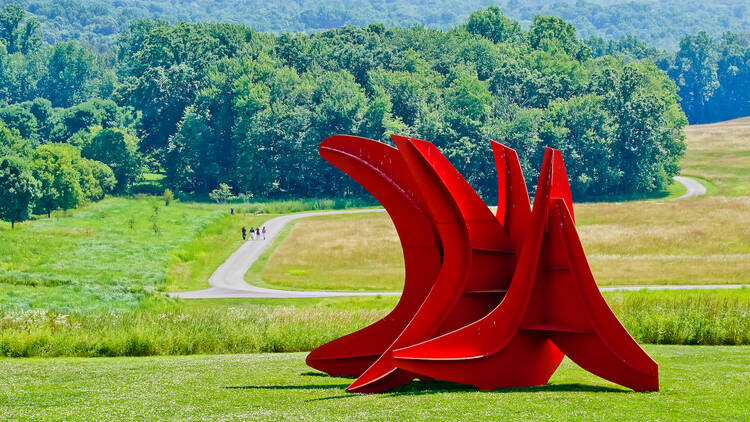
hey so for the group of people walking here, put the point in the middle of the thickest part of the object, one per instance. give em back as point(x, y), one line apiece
point(255, 233)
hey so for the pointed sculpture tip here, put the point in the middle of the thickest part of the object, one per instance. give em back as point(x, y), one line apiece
point(399, 140)
point(357, 386)
point(498, 146)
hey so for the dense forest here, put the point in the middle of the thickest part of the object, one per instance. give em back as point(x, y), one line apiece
point(701, 46)
point(221, 105)
point(660, 23)
point(213, 104)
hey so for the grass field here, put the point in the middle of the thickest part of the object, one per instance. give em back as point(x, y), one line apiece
point(110, 255)
point(697, 383)
point(694, 241)
point(86, 282)
point(107, 255)
point(720, 153)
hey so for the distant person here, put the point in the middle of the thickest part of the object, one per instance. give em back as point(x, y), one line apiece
point(252, 233)
point(231, 211)
point(244, 233)
point(257, 233)
point(264, 232)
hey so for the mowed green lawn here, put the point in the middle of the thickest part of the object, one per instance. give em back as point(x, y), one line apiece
point(697, 383)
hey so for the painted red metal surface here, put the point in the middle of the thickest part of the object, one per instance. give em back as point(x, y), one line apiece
point(478, 261)
point(513, 294)
point(380, 169)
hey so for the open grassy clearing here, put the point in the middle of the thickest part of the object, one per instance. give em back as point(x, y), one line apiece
point(347, 252)
point(697, 383)
point(720, 153)
point(695, 241)
point(171, 327)
point(111, 254)
point(106, 255)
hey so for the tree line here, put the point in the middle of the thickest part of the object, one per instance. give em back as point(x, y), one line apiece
point(206, 104)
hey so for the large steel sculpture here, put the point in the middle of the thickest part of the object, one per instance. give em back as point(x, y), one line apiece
point(489, 300)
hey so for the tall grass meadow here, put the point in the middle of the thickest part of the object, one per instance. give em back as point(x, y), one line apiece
point(172, 327)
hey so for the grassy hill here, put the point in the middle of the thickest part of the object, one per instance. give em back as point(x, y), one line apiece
point(108, 255)
point(719, 153)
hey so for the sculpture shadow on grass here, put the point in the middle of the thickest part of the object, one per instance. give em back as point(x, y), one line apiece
point(416, 388)
point(319, 374)
point(432, 387)
point(286, 387)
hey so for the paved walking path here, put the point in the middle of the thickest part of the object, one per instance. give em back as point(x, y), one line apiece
point(693, 187)
point(228, 280)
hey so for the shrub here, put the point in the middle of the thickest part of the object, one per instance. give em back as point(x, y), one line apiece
point(168, 197)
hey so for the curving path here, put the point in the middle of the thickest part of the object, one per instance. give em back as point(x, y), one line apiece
point(692, 186)
point(228, 280)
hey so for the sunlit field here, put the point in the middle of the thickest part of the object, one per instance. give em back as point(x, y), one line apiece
point(693, 241)
point(107, 255)
point(88, 282)
point(720, 153)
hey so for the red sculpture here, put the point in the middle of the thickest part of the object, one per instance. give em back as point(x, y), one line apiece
point(489, 300)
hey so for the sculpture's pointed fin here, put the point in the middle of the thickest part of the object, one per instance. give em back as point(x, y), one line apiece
point(381, 170)
point(594, 338)
point(493, 251)
point(560, 187)
point(488, 353)
point(553, 297)
point(567, 306)
point(383, 374)
point(513, 208)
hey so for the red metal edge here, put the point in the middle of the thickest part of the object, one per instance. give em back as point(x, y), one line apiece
point(380, 169)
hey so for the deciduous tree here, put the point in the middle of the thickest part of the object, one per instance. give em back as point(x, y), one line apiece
point(18, 189)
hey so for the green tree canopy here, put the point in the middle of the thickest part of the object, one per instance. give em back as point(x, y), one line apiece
point(11, 143)
point(18, 189)
point(551, 32)
point(53, 166)
point(70, 69)
point(19, 33)
point(492, 24)
point(119, 151)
